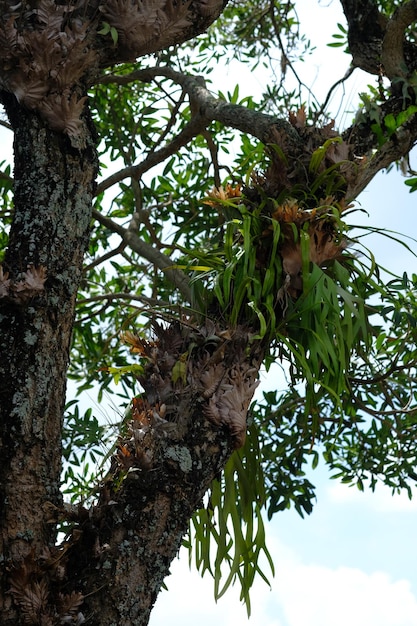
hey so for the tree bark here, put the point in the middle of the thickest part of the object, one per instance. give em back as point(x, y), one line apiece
point(366, 33)
point(181, 435)
point(54, 186)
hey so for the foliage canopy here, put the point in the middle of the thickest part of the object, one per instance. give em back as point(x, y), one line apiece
point(200, 219)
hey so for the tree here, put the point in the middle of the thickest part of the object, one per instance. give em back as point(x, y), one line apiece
point(207, 269)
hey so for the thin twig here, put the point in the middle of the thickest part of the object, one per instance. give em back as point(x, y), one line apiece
point(6, 125)
point(149, 252)
point(105, 257)
point(151, 302)
point(191, 130)
point(170, 122)
point(322, 109)
point(380, 414)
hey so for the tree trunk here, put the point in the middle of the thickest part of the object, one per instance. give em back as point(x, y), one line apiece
point(40, 275)
point(182, 432)
point(198, 381)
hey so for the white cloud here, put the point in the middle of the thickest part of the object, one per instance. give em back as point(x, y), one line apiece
point(312, 595)
point(382, 500)
point(189, 601)
point(302, 595)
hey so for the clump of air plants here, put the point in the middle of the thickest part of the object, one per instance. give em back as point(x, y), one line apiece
point(45, 51)
point(34, 587)
point(313, 235)
point(26, 286)
point(185, 372)
point(50, 52)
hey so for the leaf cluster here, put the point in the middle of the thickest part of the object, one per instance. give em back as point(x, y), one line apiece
point(349, 367)
point(227, 536)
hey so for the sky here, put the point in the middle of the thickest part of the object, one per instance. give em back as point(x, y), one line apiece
point(353, 560)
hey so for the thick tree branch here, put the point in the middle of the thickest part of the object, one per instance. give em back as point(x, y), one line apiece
point(143, 28)
point(210, 108)
point(366, 32)
point(207, 108)
point(390, 152)
point(377, 43)
point(41, 65)
point(264, 127)
point(392, 55)
point(180, 437)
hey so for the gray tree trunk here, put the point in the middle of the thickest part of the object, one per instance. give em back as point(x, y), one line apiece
point(54, 185)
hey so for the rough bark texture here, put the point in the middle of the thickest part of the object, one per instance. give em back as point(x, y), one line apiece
point(366, 32)
point(54, 186)
point(177, 442)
